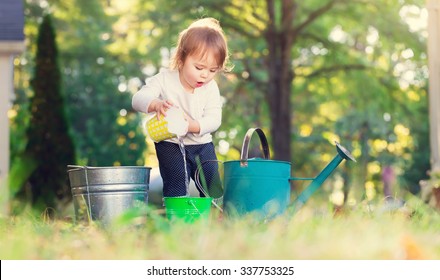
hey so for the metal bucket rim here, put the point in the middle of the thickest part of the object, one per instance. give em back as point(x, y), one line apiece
point(80, 167)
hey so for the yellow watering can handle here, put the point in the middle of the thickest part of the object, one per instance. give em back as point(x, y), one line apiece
point(245, 147)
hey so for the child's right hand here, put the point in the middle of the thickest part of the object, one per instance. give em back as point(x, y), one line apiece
point(160, 107)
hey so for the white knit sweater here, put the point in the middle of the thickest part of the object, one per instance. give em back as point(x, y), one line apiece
point(203, 105)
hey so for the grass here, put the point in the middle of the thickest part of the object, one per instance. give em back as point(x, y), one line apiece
point(367, 232)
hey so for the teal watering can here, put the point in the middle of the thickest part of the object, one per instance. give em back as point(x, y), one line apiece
point(262, 186)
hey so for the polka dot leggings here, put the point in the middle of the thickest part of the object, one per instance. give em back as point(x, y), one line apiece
point(171, 166)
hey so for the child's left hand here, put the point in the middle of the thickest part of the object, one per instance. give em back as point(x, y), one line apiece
point(193, 125)
point(177, 124)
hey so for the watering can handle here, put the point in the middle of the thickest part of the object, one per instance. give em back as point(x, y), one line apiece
point(245, 147)
point(71, 167)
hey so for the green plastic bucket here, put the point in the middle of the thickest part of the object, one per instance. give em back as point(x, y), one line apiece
point(188, 209)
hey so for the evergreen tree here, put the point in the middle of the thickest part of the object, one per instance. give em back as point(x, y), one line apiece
point(49, 142)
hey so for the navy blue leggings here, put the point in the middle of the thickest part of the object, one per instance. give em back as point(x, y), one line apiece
point(171, 165)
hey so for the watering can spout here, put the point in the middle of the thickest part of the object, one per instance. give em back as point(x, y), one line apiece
point(342, 154)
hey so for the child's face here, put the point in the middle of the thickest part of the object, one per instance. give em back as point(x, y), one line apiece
point(197, 71)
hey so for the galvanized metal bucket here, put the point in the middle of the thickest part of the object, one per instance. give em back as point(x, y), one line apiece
point(103, 193)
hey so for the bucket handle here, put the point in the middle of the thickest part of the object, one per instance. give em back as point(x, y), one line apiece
point(199, 173)
point(190, 202)
point(85, 168)
point(72, 167)
point(75, 167)
point(199, 185)
point(245, 148)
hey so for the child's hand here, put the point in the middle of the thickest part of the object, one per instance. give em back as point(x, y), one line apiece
point(177, 124)
point(193, 125)
point(160, 107)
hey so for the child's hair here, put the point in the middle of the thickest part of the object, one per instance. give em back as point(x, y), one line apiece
point(200, 37)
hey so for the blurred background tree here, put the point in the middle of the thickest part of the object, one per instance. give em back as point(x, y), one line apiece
point(308, 72)
point(49, 141)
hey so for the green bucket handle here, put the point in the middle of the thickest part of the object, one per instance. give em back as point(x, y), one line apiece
point(190, 202)
point(199, 185)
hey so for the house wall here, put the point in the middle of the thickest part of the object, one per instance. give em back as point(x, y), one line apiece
point(434, 81)
point(7, 51)
point(6, 72)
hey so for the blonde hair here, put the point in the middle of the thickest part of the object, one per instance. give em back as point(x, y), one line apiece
point(202, 36)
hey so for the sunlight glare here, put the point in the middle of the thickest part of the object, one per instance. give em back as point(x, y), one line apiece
point(123, 112)
point(416, 18)
point(305, 130)
point(373, 167)
point(407, 54)
point(338, 35)
point(134, 84)
point(122, 87)
point(232, 133)
point(223, 147)
point(221, 134)
point(12, 113)
point(372, 36)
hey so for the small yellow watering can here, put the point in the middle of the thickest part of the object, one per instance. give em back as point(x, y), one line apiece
point(173, 125)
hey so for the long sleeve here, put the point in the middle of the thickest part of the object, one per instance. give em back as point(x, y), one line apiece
point(203, 105)
point(212, 114)
point(151, 90)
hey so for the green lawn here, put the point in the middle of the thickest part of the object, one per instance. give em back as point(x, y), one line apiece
point(362, 233)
